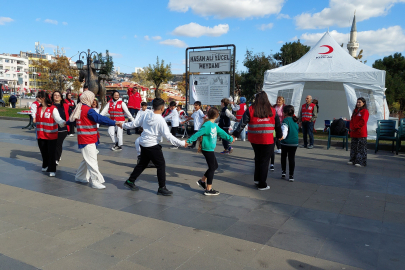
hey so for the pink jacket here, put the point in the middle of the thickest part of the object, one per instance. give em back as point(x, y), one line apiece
point(279, 112)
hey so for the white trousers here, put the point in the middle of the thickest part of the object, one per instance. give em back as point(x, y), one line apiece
point(88, 168)
point(115, 134)
point(138, 146)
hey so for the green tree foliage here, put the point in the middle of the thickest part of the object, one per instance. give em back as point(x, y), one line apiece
point(394, 65)
point(251, 81)
point(107, 63)
point(158, 74)
point(291, 52)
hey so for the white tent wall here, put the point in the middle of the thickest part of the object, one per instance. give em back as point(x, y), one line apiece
point(290, 91)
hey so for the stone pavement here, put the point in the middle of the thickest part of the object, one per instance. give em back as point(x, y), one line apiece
point(333, 216)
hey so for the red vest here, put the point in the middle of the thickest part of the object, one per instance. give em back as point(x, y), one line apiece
point(87, 132)
point(134, 101)
point(261, 129)
point(241, 111)
point(306, 114)
point(70, 102)
point(36, 103)
point(47, 128)
point(115, 111)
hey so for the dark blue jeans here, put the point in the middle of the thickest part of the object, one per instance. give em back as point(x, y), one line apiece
point(308, 129)
point(133, 113)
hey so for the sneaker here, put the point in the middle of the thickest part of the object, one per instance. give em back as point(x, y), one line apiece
point(57, 162)
point(283, 174)
point(114, 147)
point(52, 174)
point(225, 152)
point(266, 188)
point(131, 185)
point(358, 165)
point(44, 169)
point(303, 146)
point(117, 148)
point(291, 178)
point(164, 191)
point(173, 147)
point(272, 168)
point(349, 163)
point(230, 149)
point(211, 192)
point(202, 184)
point(310, 146)
point(81, 181)
point(71, 135)
point(96, 185)
point(278, 151)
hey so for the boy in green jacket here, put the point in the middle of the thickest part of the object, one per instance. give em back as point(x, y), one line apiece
point(209, 131)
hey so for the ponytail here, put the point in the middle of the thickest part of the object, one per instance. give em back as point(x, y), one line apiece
point(289, 111)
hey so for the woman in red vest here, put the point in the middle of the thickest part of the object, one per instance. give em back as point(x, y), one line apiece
point(262, 120)
point(358, 133)
point(63, 109)
point(134, 104)
point(47, 120)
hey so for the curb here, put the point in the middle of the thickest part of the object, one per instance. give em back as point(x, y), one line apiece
point(14, 118)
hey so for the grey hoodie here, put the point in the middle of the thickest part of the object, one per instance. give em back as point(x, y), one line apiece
point(154, 127)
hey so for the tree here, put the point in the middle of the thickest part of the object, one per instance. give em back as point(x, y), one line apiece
point(164, 96)
point(360, 56)
point(57, 74)
point(158, 74)
point(141, 78)
point(291, 52)
point(394, 65)
point(107, 63)
point(181, 86)
point(251, 81)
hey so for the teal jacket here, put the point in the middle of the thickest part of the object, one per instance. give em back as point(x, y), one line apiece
point(292, 136)
point(209, 131)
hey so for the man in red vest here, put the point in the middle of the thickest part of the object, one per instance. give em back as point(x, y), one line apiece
point(240, 110)
point(307, 118)
point(134, 104)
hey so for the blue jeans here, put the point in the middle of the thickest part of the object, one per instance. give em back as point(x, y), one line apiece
point(308, 129)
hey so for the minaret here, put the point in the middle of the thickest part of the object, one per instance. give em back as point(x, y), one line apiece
point(353, 45)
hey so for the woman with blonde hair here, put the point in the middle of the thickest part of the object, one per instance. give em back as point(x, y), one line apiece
point(279, 107)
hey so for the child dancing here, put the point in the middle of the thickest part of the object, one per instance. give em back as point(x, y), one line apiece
point(289, 141)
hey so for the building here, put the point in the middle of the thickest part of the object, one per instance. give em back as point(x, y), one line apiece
point(138, 69)
point(353, 45)
point(35, 74)
point(14, 70)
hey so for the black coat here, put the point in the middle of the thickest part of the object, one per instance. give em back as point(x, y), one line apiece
point(12, 99)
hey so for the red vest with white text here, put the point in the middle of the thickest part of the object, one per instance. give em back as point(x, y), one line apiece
point(261, 129)
point(87, 132)
point(115, 111)
point(241, 111)
point(47, 128)
point(306, 114)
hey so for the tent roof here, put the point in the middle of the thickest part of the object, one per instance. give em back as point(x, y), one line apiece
point(326, 61)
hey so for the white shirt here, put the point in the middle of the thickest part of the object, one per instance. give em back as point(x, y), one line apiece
point(235, 108)
point(173, 117)
point(284, 129)
point(124, 108)
point(33, 110)
point(198, 118)
point(154, 127)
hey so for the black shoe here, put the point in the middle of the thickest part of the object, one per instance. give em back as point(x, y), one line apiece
point(202, 184)
point(211, 192)
point(164, 191)
point(272, 168)
point(117, 148)
point(283, 174)
point(131, 185)
point(291, 178)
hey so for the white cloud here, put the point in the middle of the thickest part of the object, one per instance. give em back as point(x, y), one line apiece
point(374, 42)
point(225, 8)
point(264, 27)
point(64, 23)
point(280, 42)
point(157, 37)
point(340, 13)
point(51, 21)
point(4, 20)
point(174, 42)
point(196, 30)
point(294, 38)
point(49, 46)
point(146, 37)
point(38, 19)
point(116, 55)
point(283, 16)
point(135, 36)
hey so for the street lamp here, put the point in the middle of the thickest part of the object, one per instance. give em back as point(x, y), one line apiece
point(80, 63)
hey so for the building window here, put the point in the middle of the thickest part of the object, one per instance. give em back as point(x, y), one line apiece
point(25, 83)
point(369, 97)
point(7, 60)
point(287, 95)
point(8, 75)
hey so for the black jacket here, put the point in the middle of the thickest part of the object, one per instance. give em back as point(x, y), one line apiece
point(245, 120)
point(224, 121)
point(12, 99)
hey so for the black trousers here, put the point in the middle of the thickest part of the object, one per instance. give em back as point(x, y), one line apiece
point(212, 165)
point(48, 153)
point(59, 143)
point(154, 154)
point(195, 142)
point(263, 153)
point(174, 131)
point(273, 156)
point(72, 128)
point(133, 112)
point(290, 152)
point(225, 143)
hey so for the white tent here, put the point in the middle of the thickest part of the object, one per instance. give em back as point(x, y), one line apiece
point(333, 77)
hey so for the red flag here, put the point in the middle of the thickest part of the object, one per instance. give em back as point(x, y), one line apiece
point(39, 74)
point(70, 77)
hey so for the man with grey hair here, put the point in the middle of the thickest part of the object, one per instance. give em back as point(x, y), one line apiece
point(307, 117)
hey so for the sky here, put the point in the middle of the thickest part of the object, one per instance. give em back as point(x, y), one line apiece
point(136, 32)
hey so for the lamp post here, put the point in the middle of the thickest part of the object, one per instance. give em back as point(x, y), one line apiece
point(80, 63)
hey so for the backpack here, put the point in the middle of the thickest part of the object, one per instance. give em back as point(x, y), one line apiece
point(338, 127)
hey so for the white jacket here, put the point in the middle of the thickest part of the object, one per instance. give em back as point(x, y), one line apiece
point(154, 127)
point(173, 117)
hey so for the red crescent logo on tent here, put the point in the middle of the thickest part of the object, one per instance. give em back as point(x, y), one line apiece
point(329, 47)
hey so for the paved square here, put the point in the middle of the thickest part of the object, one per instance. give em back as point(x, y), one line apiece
point(333, 216)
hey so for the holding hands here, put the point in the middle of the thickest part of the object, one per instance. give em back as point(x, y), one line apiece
point(185, 144)
point(118, 124)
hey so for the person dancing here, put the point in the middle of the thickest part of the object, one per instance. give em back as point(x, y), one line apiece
point(63, 109)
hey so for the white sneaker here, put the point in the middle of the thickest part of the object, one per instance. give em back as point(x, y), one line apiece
point(71, 135)
point(278, 151)
point(97, 185)
point(52, 174)
point(266, 188)
point(44, 169)
point(81, 181)
point(57, 162)
point(358, 165)
point(349, 163)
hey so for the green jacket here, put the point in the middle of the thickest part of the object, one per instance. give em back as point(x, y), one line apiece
point(209, 131)
point(292, 136)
